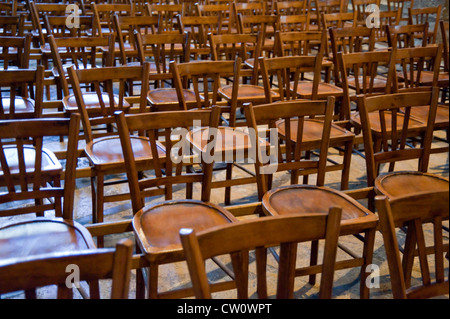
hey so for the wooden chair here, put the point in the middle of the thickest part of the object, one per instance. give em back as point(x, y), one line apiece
point(407, 36)
point(339, 20)
point(199, 28)
point(314, 44)
point(102, 143)
point(57, 25)
point(231, 142)
point(293, 23)
point(31, 273)
point(325, 7)
point(415, 210)
point(163, 48)
point(349, 40)
point(156, 225)
point(125, 26)
point(285, 8)
point(360, 6)
point(265, 25)
point(386, 124)
point(15, 52)
point(25, 97)
point(13, 25)
point(104, 13)
point(81, 52)
point(224, 10)
point(166, 13)
point(426, 15)
point(285, 200)
point(387, 18)
point(253, 234)
point(403, 6)
point(409, 71)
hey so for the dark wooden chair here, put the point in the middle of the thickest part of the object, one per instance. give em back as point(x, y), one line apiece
point(156, 225)
point(12, 25)
point(426, 15)
point(24, 95)
point(287, 72)
point(444, 82)
point(80, 52)
point(285, 8)
point(415, 211)
point(166, 13)
point(15, 52)
point(265, 25)
point(402, 5)
point(254, 234)
point(339, 20)
point(224, 10)
point(102, 143)
point(159, 50)
point(33, 272)
point(407, 36)
point(360, 6)
point(293, 23)
point(302, 199)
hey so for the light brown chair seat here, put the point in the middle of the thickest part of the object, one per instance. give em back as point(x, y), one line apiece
point(29, 273)
point(156, 225)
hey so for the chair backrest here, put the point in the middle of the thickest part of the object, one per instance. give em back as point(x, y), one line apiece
point(249, 8)
point(195, 73)
point(312, 43)
point(15, 52)
point(32, 172)
point(386, 119)
point(414, 211)
point(297, 7)
point(386, 18)
point(411, 63)
point(168, 160)
point(237, 239)
point(125, 26)
point(363, 68)
point(339, 20)
point(224, 10)
point(253, 24)
point(293, 23)
point(200, 27)
point(12, 25)
point(166, 14)
point(430, 15)
point(361, 6)
point(104, 13)
point(407, 36)
point(39, 10)
point(289, 119)
point(81, 52)
point(30, 273)
point(161, 49)
point(401, 5)
point(231, 46)
point(105, 82)
point(59, 27)
point(24, 93)
point(349, 40)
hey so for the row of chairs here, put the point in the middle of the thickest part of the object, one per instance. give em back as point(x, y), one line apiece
point(150, 222)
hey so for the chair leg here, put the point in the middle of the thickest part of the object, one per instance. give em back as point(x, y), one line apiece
point(313, 260)
point(153, 281)
point(347, 158)
point(229, 173)
point(369, 242)
point(261, 266)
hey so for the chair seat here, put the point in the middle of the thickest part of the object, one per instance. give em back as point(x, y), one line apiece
point(228, 141)
point(169, 97)
point(379, 83)
point(309, 199)
point(50, 164)
point(414, 125)
point(91, 101)
point(43, 235)
point(426, 78)
point(107, 151)
point(401, 183)
point(304, 89)
point(442, 114)
point(313, 133)
point(21, 105)
point(246, 93)
point(157, 226)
